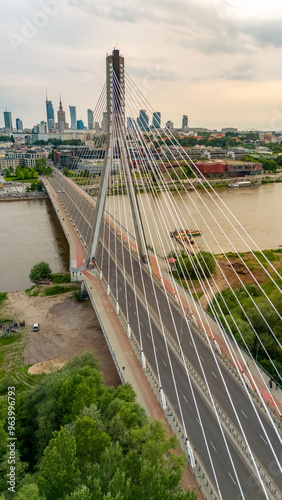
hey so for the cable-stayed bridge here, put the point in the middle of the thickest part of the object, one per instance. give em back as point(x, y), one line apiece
point(222, 413)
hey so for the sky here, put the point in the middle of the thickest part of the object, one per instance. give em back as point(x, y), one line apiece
point(218, 61)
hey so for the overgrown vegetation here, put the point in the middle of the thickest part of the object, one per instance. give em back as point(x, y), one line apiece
point(195, 266)
point(60, 278)
point(57, 289)
point(244, 315)
point(79, 439)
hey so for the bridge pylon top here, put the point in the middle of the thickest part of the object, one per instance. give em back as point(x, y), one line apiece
point(116, 146)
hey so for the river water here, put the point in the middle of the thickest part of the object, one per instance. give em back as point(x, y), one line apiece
point(257, 209)
point(30, 230)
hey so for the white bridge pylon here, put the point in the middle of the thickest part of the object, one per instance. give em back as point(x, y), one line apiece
point(116, 144)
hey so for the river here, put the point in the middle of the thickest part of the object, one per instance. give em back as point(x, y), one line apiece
point(29, 232)
point(257, 209)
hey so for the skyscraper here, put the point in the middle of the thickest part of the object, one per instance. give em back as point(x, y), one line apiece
point(8, 119)
point(73, 117)
point(61, 125)
point(19, 124)
point(143, 120)
point(104, 121)
point(50, 114)
point(185, 122)
point(90, 118)
point(80, 125)
point(156, 119)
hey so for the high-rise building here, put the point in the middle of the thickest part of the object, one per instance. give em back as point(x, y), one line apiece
point(8, 119)
point(73, 117)
point(61, 125)
point(169, 124)
point(143, 120)
point(79, 125)
point(130, 123)
point(185, 122)
point(50, 114)
point(104, 121)
point(156, 119)
point(90, 119)
point(19, 124)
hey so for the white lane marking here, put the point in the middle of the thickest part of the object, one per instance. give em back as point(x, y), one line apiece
point(185, 398)
point(148, 335)
point(165, 310)
point(164, 362)
point(190, 343)
point(213, 447)
point(146, 285)
point(263, 439)
point(214, 375)
point(244, 414)
point(202, 358)
point(129, 304)
point(135, 313)
point(141, 324)
point(231, 478)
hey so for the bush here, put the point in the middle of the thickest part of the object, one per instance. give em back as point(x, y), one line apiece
point(60, 278)
point(3, 296)
point(40, 272)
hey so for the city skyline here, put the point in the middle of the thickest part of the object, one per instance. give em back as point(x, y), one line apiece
point(214, 60)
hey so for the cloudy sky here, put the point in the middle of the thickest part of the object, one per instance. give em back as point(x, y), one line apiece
point(218, 61)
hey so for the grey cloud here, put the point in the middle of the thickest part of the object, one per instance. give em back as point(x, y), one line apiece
point(266, 33)
point(209, 27)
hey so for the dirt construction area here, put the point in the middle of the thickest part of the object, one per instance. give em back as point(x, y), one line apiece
point(66, 328)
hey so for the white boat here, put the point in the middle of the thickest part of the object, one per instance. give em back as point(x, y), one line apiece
point(238, 184)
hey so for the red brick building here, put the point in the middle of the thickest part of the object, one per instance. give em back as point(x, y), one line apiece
point(220, 168)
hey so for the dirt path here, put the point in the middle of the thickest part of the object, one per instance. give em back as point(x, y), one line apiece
point(67, 328)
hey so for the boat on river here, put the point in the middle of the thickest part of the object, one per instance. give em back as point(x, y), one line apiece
point(185, 233)
point(237, 184)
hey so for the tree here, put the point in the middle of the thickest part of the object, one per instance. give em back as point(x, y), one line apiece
point(269, 165)
point(200, 265)
point(58, 474)
point(40, 272)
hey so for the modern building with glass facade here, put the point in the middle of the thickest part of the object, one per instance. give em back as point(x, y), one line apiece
point(8, 119)
point(143, 120)
point(73, 117)
point(156, 119)
point(50, 115)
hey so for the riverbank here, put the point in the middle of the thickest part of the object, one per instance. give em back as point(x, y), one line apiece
point(25, 197)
